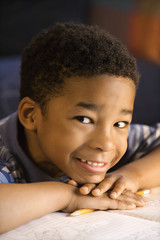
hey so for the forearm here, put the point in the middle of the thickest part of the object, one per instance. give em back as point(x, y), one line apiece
point(145, 171)
point(20, 203)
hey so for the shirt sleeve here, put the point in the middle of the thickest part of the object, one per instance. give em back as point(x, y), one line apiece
point(5, 175)
point(142, 139)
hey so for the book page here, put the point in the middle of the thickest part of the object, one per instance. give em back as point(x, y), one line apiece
point(98, 225)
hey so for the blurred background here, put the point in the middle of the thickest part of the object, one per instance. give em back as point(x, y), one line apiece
point(135, 22)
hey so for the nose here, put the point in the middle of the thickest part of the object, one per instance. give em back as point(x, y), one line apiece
point(102, 140)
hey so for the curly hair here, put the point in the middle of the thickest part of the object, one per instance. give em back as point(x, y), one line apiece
point(66, 50)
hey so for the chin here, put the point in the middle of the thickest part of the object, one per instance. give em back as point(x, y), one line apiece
point(91, 179)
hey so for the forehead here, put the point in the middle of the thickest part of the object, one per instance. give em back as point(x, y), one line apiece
point(95, 93)
point(103, 85)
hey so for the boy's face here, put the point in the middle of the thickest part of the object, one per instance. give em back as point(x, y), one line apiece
point(84, 132)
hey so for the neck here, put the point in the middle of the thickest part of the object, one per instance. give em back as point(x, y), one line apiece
point(29, 144)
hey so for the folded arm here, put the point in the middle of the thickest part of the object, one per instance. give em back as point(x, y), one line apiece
point(20, 203)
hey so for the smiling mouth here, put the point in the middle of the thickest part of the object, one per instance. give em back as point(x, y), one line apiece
point(95, 164)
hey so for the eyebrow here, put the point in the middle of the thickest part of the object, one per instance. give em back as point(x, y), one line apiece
point(88, 106)
point(126, 112)
point(95, 107)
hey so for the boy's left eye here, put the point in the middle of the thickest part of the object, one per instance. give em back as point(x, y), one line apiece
point(121, 124)
point(83, 119)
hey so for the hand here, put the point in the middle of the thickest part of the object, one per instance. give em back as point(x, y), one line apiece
point(126, 200)
point(115, 181)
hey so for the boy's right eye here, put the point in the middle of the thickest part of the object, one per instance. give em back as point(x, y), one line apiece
point(83, 119)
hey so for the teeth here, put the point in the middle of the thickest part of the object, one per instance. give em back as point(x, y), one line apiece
point(88, 162)
point(92, 163)
point(101, 164)
point(95, 164)
point(82, 160)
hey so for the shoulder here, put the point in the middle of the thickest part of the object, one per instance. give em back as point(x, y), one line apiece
point(4, 120)
point(143, 139)
point(10, 170)
point(5, 174)
point(139, 132)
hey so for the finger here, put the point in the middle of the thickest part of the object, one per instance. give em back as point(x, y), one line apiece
point(73, 183)
point(134, 198)
point(104, 202)
point(87, 188)
point(104, 186)
point(120, 205)
point(118, 189)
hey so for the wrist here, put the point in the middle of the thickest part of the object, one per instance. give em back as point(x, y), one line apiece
point(58, 195)
point(68, 194)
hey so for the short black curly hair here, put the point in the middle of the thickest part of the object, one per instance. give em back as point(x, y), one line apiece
point(66, 50)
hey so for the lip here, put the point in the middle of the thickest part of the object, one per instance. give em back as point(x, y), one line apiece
point(97, 168)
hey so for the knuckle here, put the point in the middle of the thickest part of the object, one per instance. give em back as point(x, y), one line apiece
point(125, 205)
point(102, 185)
point(106, 183)
point(91, 186)
point(119, 189)
point(122, 205)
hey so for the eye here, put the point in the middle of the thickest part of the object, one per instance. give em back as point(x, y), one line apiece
point(121, 124)
point(85, 120)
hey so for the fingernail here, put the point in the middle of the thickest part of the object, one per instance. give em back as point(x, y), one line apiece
point(97, 191)
point(85, 189)
point(132, 205)
point(114, 195)
point(142, 203)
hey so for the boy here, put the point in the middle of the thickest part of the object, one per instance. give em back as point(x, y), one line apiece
point(78, 86)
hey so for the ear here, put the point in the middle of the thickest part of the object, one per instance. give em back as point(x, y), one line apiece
point(27, 113)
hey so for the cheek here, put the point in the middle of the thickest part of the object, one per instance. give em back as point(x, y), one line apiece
point(60, 141)
point(121, 147)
